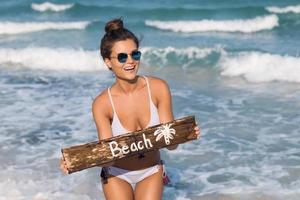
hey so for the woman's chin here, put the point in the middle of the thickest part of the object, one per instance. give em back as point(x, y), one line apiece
point(132, 77)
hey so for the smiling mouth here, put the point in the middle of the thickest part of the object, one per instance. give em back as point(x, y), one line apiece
point(129, 68)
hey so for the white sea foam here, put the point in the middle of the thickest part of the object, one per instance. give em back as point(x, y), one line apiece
point(47, 6)
point(21, 184)
point(261, 67)
point(9, 28)
point(231, 181)
point(53, 59)
point(292, 9)
point(245, 26)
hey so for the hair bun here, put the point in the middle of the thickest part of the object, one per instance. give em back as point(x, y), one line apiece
point(113, 25)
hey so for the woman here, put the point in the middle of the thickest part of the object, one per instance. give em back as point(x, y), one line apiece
point(132, 103)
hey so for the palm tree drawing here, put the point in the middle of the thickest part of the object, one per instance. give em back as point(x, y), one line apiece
point(165, 131)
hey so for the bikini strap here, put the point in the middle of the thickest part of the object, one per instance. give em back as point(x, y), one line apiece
point(165, 177)
point(104, 175)
point(111, 101)
point(148, 86)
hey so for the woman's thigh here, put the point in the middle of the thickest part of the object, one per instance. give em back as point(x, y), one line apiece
point(116, 188)
point(150, 188)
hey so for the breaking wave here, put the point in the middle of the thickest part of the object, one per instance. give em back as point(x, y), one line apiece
point(53, 59)
point(238, 25)
point(292, 9)
point(47, 6)
point(9, 28)
point(261, 67)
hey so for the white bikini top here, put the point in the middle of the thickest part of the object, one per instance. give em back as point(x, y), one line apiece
point(116, 125)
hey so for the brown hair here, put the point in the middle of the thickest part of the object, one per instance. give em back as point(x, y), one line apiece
point(115, 32)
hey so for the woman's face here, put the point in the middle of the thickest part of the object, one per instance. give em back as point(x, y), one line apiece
point(128, 68)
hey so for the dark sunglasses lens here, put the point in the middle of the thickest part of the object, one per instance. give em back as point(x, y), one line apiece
point(122, 57)
point(136, 55)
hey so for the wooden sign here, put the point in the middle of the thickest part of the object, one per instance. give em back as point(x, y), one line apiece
point(108, 150)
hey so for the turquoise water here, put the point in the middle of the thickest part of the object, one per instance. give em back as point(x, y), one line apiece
point(235, 65)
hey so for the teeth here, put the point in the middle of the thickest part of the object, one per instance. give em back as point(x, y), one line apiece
point(129, 68)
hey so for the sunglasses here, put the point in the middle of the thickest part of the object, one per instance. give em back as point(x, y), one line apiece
point(122, 57)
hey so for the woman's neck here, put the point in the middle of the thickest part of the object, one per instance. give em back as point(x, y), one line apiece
point(127, 86)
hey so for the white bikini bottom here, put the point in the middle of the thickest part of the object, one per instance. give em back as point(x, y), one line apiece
point(130, 176)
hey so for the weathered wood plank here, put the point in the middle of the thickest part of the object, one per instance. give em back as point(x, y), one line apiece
point(105, 151)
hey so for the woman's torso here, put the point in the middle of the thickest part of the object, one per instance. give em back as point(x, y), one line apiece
point(125, 111)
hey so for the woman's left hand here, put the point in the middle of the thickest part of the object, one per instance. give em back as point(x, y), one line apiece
point(194, 133)
point(197, 131)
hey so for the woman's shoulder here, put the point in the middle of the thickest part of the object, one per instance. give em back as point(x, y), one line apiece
point(157, 83)
point(101, 102)
point(159, 88)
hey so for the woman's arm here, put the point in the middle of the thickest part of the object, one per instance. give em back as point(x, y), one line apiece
point(164, 102)
point(101, 116)
point(164, 105)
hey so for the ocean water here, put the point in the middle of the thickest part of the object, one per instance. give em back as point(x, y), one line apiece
point(233, 64)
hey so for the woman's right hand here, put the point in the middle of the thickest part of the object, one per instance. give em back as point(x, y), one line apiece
point(63, 166)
